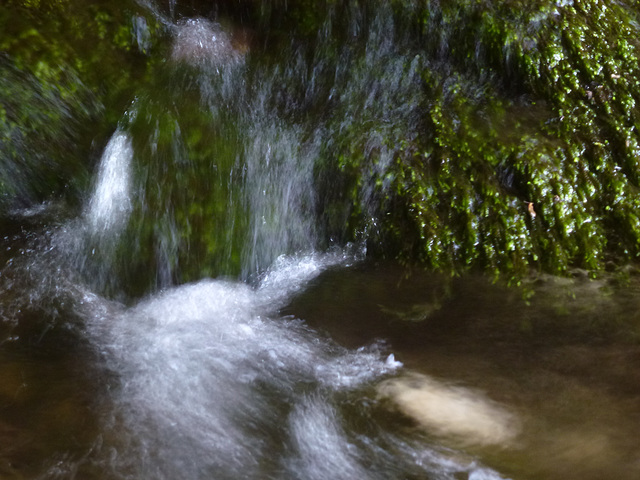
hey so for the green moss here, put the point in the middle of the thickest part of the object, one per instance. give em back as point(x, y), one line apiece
point(460, 135)
point(527, 153)
point(67, 71)
point(570, 165)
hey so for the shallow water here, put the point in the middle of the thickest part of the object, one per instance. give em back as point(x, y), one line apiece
point(203, 380)
point(570, 382)
point(330, 368)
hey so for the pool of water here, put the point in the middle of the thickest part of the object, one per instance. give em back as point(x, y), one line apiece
point(330, 368)
point(566, 363)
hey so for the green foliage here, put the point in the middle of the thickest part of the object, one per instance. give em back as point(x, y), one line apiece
point(41, 123)
point(526, 154)
point(67, 71)
point(460, 135)
point(530, 156)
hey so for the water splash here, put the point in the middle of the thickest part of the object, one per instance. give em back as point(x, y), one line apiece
point(210, 381)
point(205, 44)
point(203, 369)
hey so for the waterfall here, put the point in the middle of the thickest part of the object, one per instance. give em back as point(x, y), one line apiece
point(110, 204)
point(280, 196)
point(212, 208)
point(244, 164)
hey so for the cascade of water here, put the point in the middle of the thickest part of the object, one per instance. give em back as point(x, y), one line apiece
point(110, 204)
point(280, 196)
point(259, 187)
point(242, 162)
point(211, 382)
point(250, 196)
point(208, 379)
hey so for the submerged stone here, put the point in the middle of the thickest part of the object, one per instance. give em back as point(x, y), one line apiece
point(455, 413)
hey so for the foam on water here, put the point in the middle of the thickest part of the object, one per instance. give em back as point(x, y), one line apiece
point(200, 369)
point(212, 383)
point(322, 450)
point(209, 380)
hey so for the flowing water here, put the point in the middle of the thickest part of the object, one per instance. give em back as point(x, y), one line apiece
point(311, 361)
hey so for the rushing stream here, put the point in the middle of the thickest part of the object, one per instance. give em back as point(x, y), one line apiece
point(277, 350)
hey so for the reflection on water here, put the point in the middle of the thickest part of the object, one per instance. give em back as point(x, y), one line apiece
point(567, 365)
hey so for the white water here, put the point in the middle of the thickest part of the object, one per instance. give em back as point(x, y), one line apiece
point(208, 380)
point(281, 195)
point(204, 369)
point(212, 383)
point(204, 44)
point(110, 205)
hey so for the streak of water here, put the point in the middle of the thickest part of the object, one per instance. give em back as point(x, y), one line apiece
point(241, 160)
point(110, 204)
